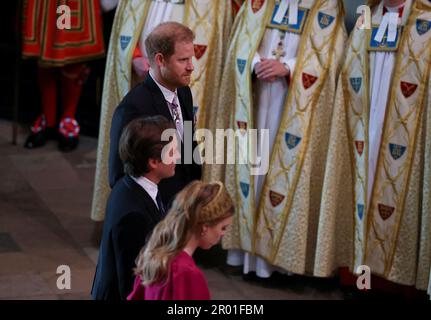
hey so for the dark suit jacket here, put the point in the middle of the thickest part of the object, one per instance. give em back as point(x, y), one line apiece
point(146, 99)
point(131, 216)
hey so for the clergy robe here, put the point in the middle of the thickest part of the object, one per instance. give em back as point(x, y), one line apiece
point(270, 98)
point(277, 214)
point(376, 203)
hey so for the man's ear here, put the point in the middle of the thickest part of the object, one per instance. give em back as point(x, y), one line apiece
point(159, 59)
point(153, 163)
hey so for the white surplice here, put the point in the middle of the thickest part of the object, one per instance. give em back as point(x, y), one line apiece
point(270, 99)
point(381, 65)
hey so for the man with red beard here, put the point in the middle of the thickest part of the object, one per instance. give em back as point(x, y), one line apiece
point(165, 92)
point(128, 64)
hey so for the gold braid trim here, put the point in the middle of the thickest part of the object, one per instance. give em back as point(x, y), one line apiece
point(218, 206)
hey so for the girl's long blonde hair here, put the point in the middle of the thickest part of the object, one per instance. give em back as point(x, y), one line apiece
point(172, 234)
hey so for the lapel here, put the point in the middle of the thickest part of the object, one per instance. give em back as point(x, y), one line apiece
point(186, 109)
point(144, 199)
point(159, 103)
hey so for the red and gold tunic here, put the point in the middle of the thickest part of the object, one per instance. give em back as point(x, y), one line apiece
point(58, 47)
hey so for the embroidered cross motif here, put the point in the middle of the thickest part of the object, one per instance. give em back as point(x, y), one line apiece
point(279, 51)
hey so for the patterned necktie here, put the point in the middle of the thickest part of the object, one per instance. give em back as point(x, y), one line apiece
point(160, 204)
point(176, 115)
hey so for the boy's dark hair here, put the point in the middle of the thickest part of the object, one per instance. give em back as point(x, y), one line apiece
point(141, 141)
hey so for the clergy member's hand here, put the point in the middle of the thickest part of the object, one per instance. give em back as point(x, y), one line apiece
point(270, 69)
point(141, 66)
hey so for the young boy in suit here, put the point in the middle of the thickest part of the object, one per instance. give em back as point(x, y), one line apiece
point(134, 205)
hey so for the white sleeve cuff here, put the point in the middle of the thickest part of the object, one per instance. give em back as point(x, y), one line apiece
point(256, 60)
point(291, 64)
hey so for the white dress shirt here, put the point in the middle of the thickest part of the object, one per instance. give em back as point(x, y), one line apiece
point(171, 97)
point(149, 186)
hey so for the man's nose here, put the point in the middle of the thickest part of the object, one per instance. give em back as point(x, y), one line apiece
point(190, 65)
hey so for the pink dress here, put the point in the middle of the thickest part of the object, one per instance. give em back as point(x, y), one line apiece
point(185, 282)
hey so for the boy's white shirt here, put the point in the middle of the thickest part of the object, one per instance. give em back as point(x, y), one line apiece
point(149, 186)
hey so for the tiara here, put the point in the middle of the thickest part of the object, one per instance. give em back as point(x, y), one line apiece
point(218, 206)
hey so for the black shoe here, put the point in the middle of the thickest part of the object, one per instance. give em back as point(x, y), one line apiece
point(67, 144)
point(251, 277)
point(36, 140)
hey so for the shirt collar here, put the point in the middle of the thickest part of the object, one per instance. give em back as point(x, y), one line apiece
point(168, 94)
point(149, 186)
point(399, 8)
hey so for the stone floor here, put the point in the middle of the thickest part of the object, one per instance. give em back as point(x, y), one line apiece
point(45, 199)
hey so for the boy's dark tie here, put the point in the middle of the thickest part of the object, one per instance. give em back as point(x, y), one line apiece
point(160, 204)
